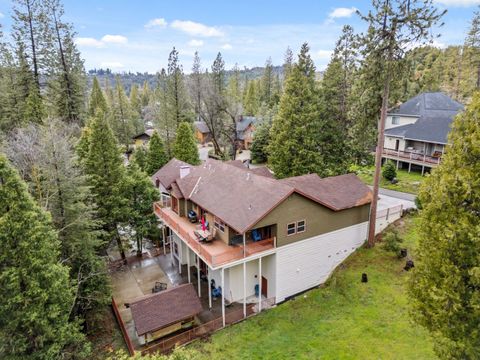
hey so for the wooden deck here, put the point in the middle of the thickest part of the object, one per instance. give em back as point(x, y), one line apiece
point(410, 157)
point(215, 252)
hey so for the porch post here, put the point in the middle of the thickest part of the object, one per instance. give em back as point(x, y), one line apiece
point(198, 277)
point(409, 166)
point(180, 255)
point(170, 241)
point(209, 288)
point(423, 169)
point(397, 164)
point(223, 296)
point(164, 239)
point(244, 242)
point(244, 289)
point(188, 264)
point(259, 284)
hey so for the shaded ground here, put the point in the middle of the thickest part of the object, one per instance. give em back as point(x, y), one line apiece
point(407, 182)
point(345, 319)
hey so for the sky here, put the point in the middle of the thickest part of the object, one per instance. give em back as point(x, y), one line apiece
point(139, 35)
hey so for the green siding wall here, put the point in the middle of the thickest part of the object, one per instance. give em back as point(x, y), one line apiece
point(319, 219)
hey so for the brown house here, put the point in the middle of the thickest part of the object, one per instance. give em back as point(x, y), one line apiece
point(258, 237)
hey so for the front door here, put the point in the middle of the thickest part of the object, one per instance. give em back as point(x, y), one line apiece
point(264, 287)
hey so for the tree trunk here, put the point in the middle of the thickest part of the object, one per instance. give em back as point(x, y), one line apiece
point(378, 158)
point(32, 41)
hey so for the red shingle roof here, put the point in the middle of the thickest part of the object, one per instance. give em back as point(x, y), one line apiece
point(165, 308)
point(169, 172)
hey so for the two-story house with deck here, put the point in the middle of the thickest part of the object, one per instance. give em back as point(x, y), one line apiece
point(255, 236)
point(416, 131)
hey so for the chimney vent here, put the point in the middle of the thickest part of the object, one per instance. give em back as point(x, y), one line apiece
point(184, 171)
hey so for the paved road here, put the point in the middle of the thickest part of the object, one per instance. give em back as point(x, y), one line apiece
point(396, 194)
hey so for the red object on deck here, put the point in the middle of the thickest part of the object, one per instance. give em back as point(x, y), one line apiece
point(204, 227)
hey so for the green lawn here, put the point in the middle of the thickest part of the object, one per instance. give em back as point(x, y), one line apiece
point(407, 182)
point(346, 319)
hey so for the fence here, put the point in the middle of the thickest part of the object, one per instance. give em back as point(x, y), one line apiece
point(130, 347)
point(403, 155)
point(387, 216)
point(203, 330)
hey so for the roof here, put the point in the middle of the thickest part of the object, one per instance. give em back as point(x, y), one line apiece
point(235, 195)
point(165, 308)
point(201, 126)
point(244, 122)
point(261, 170)
point(169, 172)
point(336, 192)
point(240, 197)
point(147, 133)
point(435, 112)
point(429, 103)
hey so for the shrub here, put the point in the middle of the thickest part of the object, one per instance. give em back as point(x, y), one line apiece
point(389, 171)
point(392, 242)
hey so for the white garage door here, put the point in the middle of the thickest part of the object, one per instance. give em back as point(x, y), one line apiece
point(308, 263)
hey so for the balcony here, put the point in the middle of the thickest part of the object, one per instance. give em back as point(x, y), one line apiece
point(412, 157)
point(214, 252)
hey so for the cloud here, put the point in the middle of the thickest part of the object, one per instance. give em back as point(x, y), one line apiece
point(158, 22)
point(195, 43)
point(458, 3)
point(196, 29)
point(114, 39)
point(322, 54)
point(342, 12)
point(226, 46)
point(89, 42)
point(112, 64)
point(1, 15)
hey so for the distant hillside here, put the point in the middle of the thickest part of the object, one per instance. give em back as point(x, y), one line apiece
point(130, 78)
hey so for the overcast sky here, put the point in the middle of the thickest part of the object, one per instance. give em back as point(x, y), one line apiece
point(138, 35)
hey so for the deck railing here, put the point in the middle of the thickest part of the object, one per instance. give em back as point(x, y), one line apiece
point(404, 155)
point(231, 254)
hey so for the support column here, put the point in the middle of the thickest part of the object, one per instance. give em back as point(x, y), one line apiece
point(164, 240)
point(170, 241)
point(188, 265)
point(223, 296)
point(259, 284)
point(244, 243)
point(244, 289)
point(398, 163)
point(198, 277)
point(209, 288)
point(409, 166)
point(423, 169)
point(180, 253)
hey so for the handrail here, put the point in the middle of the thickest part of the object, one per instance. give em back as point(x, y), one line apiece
point(413, 156)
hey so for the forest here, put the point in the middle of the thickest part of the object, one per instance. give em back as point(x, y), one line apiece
point(66, 193)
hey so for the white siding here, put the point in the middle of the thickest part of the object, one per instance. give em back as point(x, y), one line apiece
point(268, 272)
point(308, 263)
point(402, 120)
point(235, 281)
point(390, 141)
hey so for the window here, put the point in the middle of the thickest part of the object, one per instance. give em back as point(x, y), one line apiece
point(291, 229)
point(300, 226)
point(219, 224)
point(395, 120)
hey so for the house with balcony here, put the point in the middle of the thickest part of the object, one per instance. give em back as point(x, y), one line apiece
point(416, 132)
point(256, 238)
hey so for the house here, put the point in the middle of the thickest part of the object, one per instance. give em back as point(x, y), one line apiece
point(416, 131)
point(166, 312)
point(245, 127)
point(202, 133)
point(254, 237)
point(143, 138)
point(259, 170)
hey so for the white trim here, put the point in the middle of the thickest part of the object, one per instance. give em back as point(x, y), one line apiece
point(304, 226)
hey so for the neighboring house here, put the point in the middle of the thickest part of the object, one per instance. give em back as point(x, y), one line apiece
point(245, 127)
point(416, 131)
point(143, 138)
point(267, 237)
point(202, 133)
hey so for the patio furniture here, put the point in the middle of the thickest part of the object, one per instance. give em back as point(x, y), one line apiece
point(159, 286)
point(192, 216)
point(203, 235)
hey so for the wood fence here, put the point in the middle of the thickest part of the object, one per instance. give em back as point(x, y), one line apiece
point(128, 342)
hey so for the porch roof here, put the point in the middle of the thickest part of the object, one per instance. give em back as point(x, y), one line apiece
point(165, 308)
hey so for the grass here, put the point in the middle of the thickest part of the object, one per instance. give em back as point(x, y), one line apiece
point(407, 182)
point(345, 319)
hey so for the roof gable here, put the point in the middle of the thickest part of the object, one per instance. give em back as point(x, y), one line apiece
point(169, 172)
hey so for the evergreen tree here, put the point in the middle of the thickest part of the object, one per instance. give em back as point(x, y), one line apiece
point(261, 140)
point(218, 74)
point(35, 289)
point(177, 101)
point(140, 194)
point(146, 94)
point(139, 157)
point(104, 167)
point(287, 63)
point(97, 100)
point(250, 102)
point(445, 286)
point(197, 84)
point(301, 142)
point(121, 120)
point(472, 45)
point(185, 146)
point(267, 83)
point(165, 122)
point(156, 155)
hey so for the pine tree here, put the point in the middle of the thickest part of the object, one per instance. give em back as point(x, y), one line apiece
point(156, 155)
point(218, 74)
point(177, 100)
point(445, 286)
point(140, 194)
point(121, 120)
point(250, 102)
point(197, 84)
point(472, 45)
point(294, 148)
point(97, 100)
point(267, 83)
point(139, 157)
point(185, 146)
point(165, 123)
point(34, 287)
point(261, 140)
point(287, 63)
point(146, 94)
point(104, 167)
